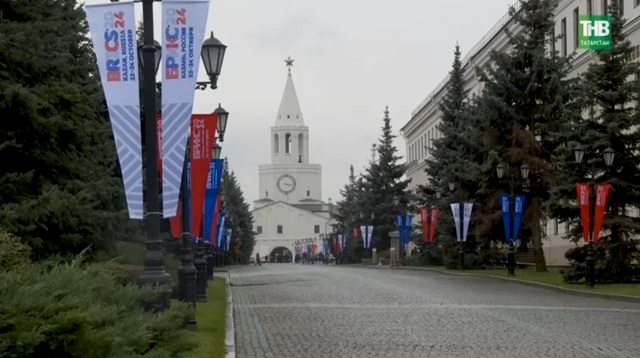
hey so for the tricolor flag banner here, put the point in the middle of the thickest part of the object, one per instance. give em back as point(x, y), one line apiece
point(113, 33)
point(220, 229)
point(229, 231)
point(183, 24)
point(455, 210)
point(466, 220)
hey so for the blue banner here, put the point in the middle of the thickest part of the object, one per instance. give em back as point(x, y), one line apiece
point(506, 215)
point(517, 215)
point(400, 223)
point(407, 232)
point(219, 227)
point(211, 194)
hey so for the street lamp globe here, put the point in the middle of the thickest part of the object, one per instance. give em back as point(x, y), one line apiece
point(578, 152)
point(452, 186)
point(223, 117)
point(500, 168)
point(609, 155)
point(524, 171)
point(217, 150)
point(157, 55)
point(212, 56)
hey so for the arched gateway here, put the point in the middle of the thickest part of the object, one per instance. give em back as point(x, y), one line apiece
point(280, 255)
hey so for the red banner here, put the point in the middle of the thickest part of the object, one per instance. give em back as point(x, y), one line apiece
point(201, 140)
point(583, 202)
point(174, 221)
point(434, 219)
point(602, 194)
point(336, 247)
point(424, 218)
point(355, 234)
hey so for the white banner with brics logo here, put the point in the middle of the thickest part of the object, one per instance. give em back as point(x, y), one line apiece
point(183, 24)
point(113, 32)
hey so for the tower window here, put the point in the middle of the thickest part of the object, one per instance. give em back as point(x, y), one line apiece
point(279, 229)
point(288, 116)
point(308, 192)
point(316, 229)
point(276, 144)
point(259, 229)
point(287, 143)
point(266, 193)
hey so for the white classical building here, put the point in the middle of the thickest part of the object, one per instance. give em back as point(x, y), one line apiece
point(422, 128)
point(290, 206)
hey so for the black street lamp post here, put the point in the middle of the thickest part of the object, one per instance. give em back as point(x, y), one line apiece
point(150, 54)
point(153, 273)
point(511, 252)
point(590, 261)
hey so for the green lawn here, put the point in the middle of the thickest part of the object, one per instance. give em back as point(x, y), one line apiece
point(553, 277)
point(211, 322)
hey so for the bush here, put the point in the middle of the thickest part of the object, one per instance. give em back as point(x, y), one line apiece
point(73, 311)
point(13, 252)
point(615, 263)
point(123, 274)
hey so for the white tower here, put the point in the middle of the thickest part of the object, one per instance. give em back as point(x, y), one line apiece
point(289, 177)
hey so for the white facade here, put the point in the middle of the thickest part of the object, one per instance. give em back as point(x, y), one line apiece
point(289, 207)
point(422, 128)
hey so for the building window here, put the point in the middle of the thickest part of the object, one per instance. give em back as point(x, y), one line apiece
point(576, 14)
point(276, 143)
point(266, 193)
point(316, 229)
point(308, 192)
point(279, 229)
point(605, 7)
point(563, 33)
point(637, 94)
point(590, 7)
point(566, 227)
point(259, 229)
point(637, 2)
point(621, 6)
point(555, 227)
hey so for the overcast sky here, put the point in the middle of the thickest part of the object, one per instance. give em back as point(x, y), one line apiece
point(351, 59)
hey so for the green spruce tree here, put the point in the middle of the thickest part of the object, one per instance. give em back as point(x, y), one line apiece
point(238, 218)
point(386, 187)
point(454, 159)
point(59, 184)
point(523, 102)
point(610, 103)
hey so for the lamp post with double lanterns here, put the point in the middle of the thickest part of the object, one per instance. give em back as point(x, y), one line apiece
point(150, 53)
point(501, 169)
point(149, 57)
point(608, 156)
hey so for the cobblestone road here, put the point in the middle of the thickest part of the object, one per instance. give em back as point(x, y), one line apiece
point(291, 311)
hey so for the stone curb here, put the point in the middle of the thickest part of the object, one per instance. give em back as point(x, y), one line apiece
point(230, 334)
point(613, 297)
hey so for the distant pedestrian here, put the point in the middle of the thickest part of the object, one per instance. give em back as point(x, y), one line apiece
point(258, 261)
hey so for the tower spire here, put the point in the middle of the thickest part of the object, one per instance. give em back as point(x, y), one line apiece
point(289, 113)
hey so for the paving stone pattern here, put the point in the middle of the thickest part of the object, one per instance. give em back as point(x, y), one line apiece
point(300, 311)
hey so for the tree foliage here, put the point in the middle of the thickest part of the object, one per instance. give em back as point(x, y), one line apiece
point(610, 101)
point(59, 183)
point(238, 218)
point(524, 100)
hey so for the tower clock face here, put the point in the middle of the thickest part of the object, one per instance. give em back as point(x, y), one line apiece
point(286, 184)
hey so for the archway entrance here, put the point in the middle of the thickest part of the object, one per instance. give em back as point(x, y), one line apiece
point(280, 255)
